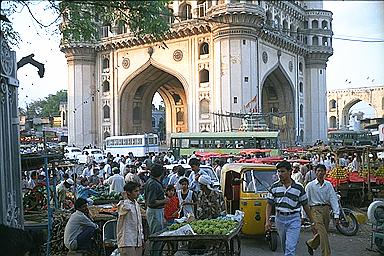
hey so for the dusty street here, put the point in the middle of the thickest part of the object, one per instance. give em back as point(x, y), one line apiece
point(341, 245)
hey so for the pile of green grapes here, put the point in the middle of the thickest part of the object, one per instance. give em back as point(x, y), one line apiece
point(209, 227)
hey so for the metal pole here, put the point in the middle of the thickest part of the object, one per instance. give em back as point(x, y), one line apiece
point(48, 196)
point(54, 173)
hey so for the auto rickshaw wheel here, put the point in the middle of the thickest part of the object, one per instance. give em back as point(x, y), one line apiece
point(272, 242)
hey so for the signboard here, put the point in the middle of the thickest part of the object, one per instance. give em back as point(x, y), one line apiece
point(381, 132)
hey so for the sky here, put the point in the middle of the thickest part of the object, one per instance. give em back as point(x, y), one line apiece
point(353, 64)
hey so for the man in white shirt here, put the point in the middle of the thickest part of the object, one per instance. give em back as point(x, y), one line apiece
point(116, 181)
point(321, 198)
point(80, 228)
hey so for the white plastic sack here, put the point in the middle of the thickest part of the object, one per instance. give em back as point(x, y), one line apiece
point(182, 231)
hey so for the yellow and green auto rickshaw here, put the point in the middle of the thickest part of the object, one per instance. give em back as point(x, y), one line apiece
point(245, 187)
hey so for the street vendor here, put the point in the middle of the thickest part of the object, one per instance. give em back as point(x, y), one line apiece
point(61, 190)
point(130, 236)
point(210, 202)
point(80, 228)
point(84, 191)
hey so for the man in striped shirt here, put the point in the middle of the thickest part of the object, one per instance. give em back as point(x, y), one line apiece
point(288, 197)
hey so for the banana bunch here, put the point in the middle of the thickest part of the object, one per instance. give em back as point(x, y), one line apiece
point(380, 172)
point(338, 173)
point(363, 173)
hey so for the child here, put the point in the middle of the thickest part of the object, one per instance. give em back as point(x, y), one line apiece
point(130, 234)
point(187, 198)
point(171, 209)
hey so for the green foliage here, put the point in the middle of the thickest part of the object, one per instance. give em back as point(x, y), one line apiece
point(83, 18)
point(49, 106)
point(80, 21)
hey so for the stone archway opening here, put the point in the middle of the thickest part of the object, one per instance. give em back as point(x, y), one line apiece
point(278, 106)
point(136, 108)
point(356, 110)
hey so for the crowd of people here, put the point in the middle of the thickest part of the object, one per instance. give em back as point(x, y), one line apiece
point(301, 191)
point(167, 196)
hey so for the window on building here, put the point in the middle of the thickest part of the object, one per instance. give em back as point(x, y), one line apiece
point(301, 89)
point(285, 27)
point(204, 48)
point(246, 79)
point(269, 19)
point(204, 76)
point(180, 117)
point(204, 107)
point(153, 122)
point(301, 136)
point(332, 122)
point(171, 18)
point(315, 24)
point(382, 103)
point(106, 112)
point(305, 24)
point(106, 86)
point(315, 40)
point(185, 11)
point(325, 41)
point(106, 134)
point(301, 67)
point(105, 63)
point(235, 100)
point(324, 24)
point(332, 104)
point(301, 112)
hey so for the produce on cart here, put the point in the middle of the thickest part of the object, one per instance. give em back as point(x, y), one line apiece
point(218, 236)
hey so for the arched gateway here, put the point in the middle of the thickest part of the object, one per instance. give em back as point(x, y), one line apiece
point(137, 92)
point(221, 58)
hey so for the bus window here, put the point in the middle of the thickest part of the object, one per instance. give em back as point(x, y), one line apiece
point(194, 144)
point(125, 142)
point(140, 141)
point(184, 143)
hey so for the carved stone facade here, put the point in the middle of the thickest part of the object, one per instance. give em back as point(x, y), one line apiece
point(340, 102)
point(220, 56)
point(11, 212)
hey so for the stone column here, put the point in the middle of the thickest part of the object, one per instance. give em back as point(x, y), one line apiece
point(81, 96)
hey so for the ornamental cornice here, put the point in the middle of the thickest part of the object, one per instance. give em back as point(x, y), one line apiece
point(359, 89)
point(284, 42)
point(292, 9)
point(317, 59)
point(79, 52)
point(181, 30)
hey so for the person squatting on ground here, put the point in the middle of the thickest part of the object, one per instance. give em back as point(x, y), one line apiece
point(288, 197)
point(321, 197)
point(130, 236)
point(80, 228)
point(155, 201)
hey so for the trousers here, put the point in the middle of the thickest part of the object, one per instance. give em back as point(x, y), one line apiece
point(155, 218)
point(320, 215)
point(288, 228)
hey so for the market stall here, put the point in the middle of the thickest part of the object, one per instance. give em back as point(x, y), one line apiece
point(216, 236)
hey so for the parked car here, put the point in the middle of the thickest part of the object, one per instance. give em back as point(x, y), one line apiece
point(95, 153)
point(71, 152)
point(206, 168)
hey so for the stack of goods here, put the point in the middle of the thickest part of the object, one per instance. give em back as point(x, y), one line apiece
point(338, 175)
point(380, 175)
point(104, 196)
point(209, 227)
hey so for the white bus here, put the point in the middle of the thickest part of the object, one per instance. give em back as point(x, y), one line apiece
point(138, 145)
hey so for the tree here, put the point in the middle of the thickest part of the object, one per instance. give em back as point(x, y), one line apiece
point(49, 106)
point(80, 20)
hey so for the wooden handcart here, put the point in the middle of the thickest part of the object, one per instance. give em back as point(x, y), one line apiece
point(228, 244)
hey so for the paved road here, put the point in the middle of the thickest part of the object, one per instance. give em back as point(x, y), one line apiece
point(341, 245)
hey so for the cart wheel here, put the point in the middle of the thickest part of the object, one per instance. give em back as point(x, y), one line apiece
point(272, 242)
point(236, 246)
point(167, 249)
